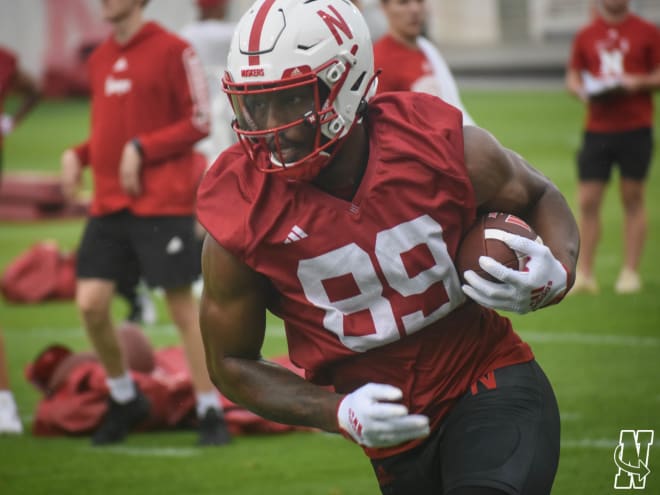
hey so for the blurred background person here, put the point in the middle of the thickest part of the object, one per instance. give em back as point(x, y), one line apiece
point(614, 68)
point(210, 36)
point(149, 107)
point(408, 60)
point(9, 420)
point(14, 80)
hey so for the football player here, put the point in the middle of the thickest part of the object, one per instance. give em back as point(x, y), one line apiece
point(341, 213)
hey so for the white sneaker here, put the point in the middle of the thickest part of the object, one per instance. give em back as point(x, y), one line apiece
point(584, 285)
point(149, 313)
point(10, 423)
point(198, 288)
point(628, 282)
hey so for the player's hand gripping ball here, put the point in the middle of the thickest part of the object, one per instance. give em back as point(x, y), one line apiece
point(504, 265)
point(484, 238)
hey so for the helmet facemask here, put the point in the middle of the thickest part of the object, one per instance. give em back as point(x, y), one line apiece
point(321, 49)
point(304, 100)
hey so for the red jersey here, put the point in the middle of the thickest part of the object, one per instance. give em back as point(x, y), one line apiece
point(8, 68)
point(152, 88)
point(610, 50)
point(367, 289)
point(404, 68)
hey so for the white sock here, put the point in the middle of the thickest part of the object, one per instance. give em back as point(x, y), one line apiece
point(122, 388)
point(206, 401)
point(6, 397)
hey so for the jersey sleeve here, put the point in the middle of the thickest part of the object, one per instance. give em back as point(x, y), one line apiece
point(189, 90)
point(82, 152)
point(576, 60)
point(223, 202)
point(8, 67)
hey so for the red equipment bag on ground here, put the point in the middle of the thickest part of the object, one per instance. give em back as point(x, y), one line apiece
point(75, 406)
point(41, 273)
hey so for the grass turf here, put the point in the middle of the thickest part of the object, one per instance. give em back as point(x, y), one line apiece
point(601, 353)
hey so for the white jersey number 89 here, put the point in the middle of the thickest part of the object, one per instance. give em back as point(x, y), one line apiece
point(355, 261)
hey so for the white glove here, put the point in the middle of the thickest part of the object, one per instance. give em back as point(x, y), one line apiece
point(371, 419)
point(543, 281)
point(6, 124)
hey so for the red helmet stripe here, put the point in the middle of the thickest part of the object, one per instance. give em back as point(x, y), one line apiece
point(257, 28)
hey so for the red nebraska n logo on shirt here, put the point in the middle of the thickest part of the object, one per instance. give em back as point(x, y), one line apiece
point(334, 23)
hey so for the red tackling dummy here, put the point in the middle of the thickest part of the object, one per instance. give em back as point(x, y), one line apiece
point(75, 390)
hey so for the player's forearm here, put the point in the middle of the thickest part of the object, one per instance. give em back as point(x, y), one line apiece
point(276, 393)
point(650, 82)
point(554, 222)
point(574, 84)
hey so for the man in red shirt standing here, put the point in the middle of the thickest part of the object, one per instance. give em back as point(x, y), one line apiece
point(614, 68)
point(149, 107)
point(409, 61)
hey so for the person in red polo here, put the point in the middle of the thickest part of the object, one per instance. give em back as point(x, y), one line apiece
point(14, 79)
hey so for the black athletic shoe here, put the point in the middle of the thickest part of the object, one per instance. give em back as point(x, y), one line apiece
point(213, 429)
point(119, 419)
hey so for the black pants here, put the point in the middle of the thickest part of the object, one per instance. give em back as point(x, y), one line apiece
point(504, 437)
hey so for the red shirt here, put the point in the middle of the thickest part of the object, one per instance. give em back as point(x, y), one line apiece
point(403, 68)
point(629, 47)
point(8, 67)
point(367, 289)
point(152, 88)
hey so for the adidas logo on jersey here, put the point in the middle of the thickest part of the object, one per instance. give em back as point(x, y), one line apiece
point(296, 234)
point(120, 65)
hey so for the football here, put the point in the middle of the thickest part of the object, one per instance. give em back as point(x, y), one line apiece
point(136, 347)
point(482, 239)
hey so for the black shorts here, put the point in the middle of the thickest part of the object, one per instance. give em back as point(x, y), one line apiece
point(630, 150)
point(505, 437)
point(123, 247)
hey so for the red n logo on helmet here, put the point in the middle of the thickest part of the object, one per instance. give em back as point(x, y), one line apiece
point(335, 23)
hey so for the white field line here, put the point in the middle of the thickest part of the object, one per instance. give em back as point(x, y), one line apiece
point(147, 451)
point(182, 452)
point(277, 331)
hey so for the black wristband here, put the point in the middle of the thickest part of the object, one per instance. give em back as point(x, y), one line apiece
point(138, 146)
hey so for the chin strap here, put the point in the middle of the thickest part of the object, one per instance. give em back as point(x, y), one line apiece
point(306, 171)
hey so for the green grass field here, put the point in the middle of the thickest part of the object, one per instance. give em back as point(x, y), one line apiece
point(600, 352)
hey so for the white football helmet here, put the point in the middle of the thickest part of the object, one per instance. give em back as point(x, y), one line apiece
point(311, 60)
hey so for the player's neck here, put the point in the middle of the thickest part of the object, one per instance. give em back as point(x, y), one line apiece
point(127, 27)
point(343, 176)
point(406, 40)
point(613, 17)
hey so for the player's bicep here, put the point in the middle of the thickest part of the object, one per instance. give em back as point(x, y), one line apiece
point(232, 307)
point(502, 180)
